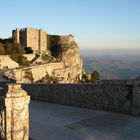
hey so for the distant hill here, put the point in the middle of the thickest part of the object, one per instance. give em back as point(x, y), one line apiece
point(114, 66)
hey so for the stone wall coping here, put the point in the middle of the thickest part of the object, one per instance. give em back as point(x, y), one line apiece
point(80, 84)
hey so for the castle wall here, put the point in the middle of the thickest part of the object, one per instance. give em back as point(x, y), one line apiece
point(15, 35)
point(29, 56)
point(69, 74)
point(111, 97)
point(56, 39)
point(68, 70)
point(42, 41)
point(23, 37)
point(68, 39)
point(31, 37)
point(38, 71)
point(38, 39)
point(7, 62)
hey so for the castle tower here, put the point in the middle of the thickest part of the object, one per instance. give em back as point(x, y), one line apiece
point(15, 35)
point(42, 40)
point(30, 37)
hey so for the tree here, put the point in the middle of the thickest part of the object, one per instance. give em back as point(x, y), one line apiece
point(17, 48)
point(56, 51)
point(2, 50)
point(29, 76)
point(28, 50)
point(64, 47)
point(46, 57)
point(8, 48)
point(20, 59)
point(6, 40)
point(95, 77)
point(14, 56)
point(86, 77)
point(47, 79)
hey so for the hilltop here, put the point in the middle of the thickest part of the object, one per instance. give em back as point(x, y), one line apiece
point(44, 58)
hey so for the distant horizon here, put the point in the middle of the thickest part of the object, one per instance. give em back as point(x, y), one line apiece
point(100, 23)
point(109, 51)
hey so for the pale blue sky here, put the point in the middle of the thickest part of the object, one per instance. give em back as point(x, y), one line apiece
point(95, 23)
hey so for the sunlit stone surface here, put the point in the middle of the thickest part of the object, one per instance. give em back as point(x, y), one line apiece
point(14, 113)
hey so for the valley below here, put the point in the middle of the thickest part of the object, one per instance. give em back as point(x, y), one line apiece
point(112, 66)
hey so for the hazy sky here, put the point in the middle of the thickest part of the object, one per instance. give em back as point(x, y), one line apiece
point(95, 23)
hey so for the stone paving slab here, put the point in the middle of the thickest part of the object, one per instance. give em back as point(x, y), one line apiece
point(57, 122)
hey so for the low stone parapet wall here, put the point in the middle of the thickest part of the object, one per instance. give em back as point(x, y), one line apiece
point(111, 97)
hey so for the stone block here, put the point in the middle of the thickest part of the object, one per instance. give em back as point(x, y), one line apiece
point(15, 112)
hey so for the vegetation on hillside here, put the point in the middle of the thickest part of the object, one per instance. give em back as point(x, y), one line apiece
point(8, 47)
point(56, 48)
point(46, 57)
point(2, 49)
point(94, 77)
point(47, 79)
point(20, 59)
point(28, 50)
point(52, 40)
point(28, 76)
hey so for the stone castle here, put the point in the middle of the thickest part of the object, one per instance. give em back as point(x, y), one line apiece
point(119, 96)
point(31, 37)
point(38, 39)
point(67, 68)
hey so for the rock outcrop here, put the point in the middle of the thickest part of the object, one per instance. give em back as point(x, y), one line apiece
point(73, 65)
point(67, 68)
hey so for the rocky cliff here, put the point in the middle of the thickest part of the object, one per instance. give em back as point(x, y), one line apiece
point(73, 65)
point(66, 66)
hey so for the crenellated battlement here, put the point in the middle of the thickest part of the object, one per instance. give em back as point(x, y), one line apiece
point(29, 29)
point(38, 39)
point(4, 56)
point(31, 37)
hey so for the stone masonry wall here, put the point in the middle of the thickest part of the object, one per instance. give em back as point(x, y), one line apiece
point(14, 113)
point(7, 62)
point(111, 97)
point(68, 70)
point(38, 71)
point(31, 37)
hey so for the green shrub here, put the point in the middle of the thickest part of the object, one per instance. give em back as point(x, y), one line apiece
point(28, 50)
point(95, 77)
point(86, 77)
point(45, 57)
point(29, 76)
point(20, 59)
point(48, 79)
point(64, 47)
